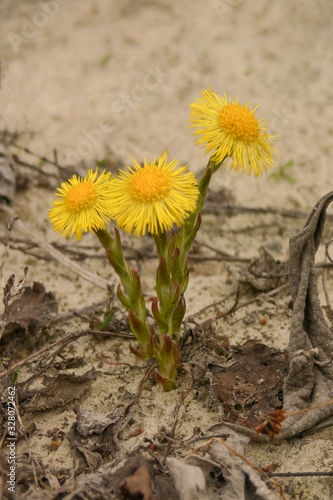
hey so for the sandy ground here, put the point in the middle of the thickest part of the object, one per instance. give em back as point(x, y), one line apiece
point(95, 79)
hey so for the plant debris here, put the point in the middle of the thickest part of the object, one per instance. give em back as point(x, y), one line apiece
point(7, 177)
point(59, 391)
point(310, 378)
point(271, 425)
point(252, 386)
point(265, 273)
point(224, 460)
point(30, 312)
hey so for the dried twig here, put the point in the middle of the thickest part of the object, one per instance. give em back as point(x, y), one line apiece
point(327, 256)
point(6, 240)
point(80, 255)
point(9, 294)
point(65, 261)
point(119, 363)
point(140, 387)
point(182, 398)
point(217, 258)
point(23, 431)
point(204, 309)
point(224, 255)
point(212, 207)
point(233, 307)
point(262, 296)
point(40, 171)
point(242, 457)
point(63, 342)
point(40, 158)
point(61, 318)
point(299, 474)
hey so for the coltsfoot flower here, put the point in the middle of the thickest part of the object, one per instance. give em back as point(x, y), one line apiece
point(155, 196)
point(234, 132)
point(84, 204)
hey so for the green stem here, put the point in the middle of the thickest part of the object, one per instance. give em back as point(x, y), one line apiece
point(132, 297)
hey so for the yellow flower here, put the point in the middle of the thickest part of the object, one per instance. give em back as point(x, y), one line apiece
point(84, 205)
point(233, 131)
point(156, 195)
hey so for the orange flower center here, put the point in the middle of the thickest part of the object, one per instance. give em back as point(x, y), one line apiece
point(239, 122)
point(81, 196)
point(149, 184)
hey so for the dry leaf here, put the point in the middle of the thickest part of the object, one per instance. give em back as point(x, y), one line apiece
point(60, 390)
point(271, 425)
point(32, 310)
point(7, 177)
point(251, 386)
point(310, 378)
point(138, 485)
point(265, 273)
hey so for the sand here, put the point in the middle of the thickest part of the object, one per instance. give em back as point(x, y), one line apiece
point(97, 80)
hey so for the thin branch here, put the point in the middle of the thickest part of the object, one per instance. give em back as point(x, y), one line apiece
point(217, 258)
point(191, 318)
point(65, 261)
point(242, 457)
point(140, 387)
point(23, 431)
point(81, 255)
point(262, 296)
point(299, 474)
point(324, 278)
point(182, 398)
point(304, 410)
point(233, 307)
point(226, 255)
point(17, 160)
point(67, 339)
point(214, 207)
point(40, 158)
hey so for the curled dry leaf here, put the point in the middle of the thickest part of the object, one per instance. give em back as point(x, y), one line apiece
point(32, 310)
point(272, 424)
point(138, 485)
point(310, 379)
point(265, 273)
point(189, 479)
point(60, 390)
point(7, 177)
point(90, 422)
point(252, 385)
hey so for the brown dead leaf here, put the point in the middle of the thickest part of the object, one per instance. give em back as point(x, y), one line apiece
point(272, 424)
point(265, 273)
point(137, 432)
point(310, 379)
point(125, 480)
point(138, 485)
point(90, 422)
point(93, 460)
point(249, 387)
point(60, 390)
point(32, 310)
point(26, 426)
point(57, 438)
point(71, 362)
point(7, 177)
point(95, 430)
point(329, 313)
point(55, 443)
point(270, 468)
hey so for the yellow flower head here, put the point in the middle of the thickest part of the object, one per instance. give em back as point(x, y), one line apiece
point(156, 195)
point(84, 204)
point(233, 131)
